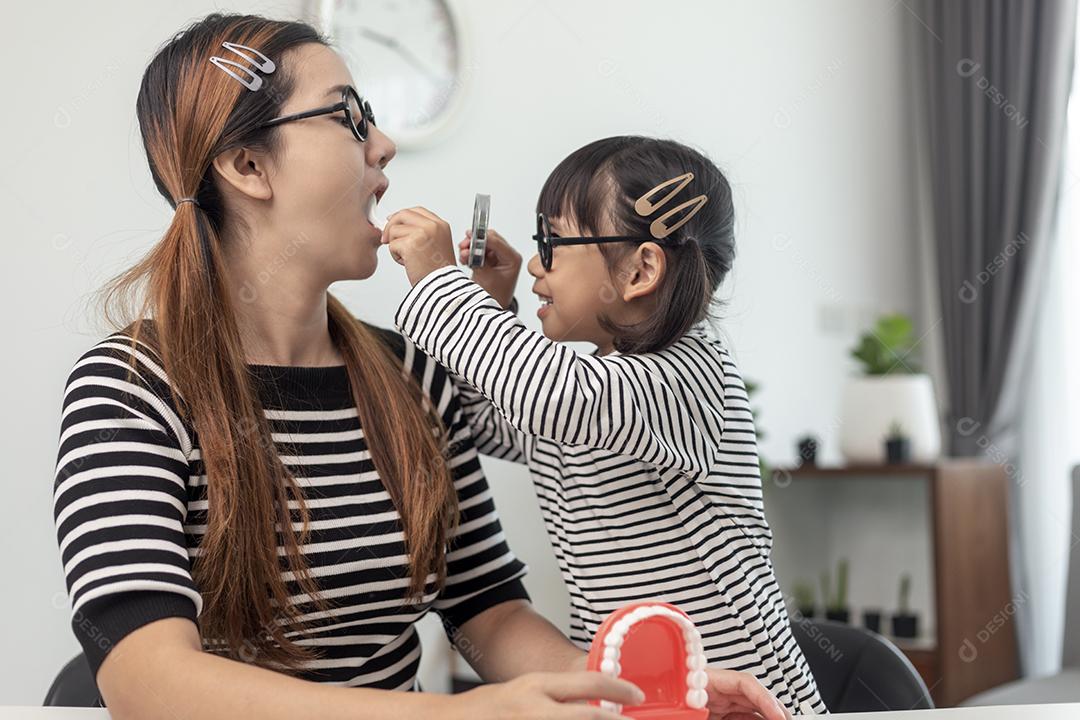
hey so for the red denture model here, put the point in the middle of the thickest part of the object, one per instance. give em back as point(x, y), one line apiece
point(655, 646)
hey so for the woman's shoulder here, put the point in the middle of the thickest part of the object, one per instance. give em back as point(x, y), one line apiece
point(431, 376)
point(123, 356)
point(123, 371)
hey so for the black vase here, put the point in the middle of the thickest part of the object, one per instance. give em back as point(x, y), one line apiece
point(808, 451)
point(872, 620)
point(838, 615)
point(905, 625)
point(897, 451)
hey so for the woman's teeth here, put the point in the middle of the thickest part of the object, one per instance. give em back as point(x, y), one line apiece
point(371, 209)
point(545, 300)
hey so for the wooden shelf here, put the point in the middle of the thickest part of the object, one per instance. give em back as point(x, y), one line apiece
point(973, 647)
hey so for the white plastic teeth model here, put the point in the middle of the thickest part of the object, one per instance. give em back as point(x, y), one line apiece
point(372, 212)
point(696, 679)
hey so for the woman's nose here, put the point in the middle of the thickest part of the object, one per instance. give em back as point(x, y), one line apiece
point(380, 148)
point(535, 267)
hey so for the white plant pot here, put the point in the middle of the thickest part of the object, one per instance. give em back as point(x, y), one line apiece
point(871, 404)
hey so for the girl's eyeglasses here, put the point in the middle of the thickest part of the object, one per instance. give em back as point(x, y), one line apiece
point(546, 240)
point(357, 112)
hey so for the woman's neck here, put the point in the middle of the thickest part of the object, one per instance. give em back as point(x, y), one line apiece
point(282, 318)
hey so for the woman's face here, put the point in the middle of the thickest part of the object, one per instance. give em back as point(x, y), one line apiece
point(323, 178)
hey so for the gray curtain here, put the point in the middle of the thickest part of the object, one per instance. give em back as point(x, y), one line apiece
point(994, 78)
point(992, 81)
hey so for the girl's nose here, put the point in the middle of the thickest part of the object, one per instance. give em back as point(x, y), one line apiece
point(535, 267)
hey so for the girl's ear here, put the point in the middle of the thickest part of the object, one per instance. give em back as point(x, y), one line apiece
point(644, 271)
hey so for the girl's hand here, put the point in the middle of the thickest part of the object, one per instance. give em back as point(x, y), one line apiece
point(544, 696)
point(502, 264)
point(735, 694)
point(420, 240)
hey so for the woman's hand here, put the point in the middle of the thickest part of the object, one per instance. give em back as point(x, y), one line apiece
point(544, 696)
point(502, 264)
point(420, 240)
point(739, 694)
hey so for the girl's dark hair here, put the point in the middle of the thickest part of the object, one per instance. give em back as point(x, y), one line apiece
point(178, 301)
point(602, 180)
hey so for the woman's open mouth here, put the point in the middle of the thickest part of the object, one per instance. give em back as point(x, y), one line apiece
point(371, 207)
point(371, 212)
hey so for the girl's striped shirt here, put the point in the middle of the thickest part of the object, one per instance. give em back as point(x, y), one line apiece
point(130, 506)
point(645, 467)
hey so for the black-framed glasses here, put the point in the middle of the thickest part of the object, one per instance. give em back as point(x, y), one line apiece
point(546, 240)
point(357, 112)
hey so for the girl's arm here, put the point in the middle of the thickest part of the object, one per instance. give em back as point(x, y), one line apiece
point(642, 406)
point(493, 434)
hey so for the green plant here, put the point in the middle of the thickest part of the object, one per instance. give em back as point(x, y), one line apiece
point(896, 431)
point(804, 595)
point(903, 608)
point(835, 599)
point(887, 347)
point(751, 388)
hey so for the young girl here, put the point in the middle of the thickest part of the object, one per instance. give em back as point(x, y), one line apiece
point(643, 453)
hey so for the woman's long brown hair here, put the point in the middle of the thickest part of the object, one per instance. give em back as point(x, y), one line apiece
point(177, 301)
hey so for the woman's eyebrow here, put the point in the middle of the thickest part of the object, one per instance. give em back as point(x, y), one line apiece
point(336, 90)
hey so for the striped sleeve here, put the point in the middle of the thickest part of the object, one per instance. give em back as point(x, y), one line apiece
point(481, 570)
point(632, 405)
point(493, 434)
point(119, 500)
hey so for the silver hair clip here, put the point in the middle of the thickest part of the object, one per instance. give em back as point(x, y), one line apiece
point(252, 81)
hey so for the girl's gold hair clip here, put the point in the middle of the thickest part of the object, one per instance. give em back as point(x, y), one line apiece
point(659, 228)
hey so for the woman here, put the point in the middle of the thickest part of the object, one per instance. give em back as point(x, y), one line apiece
point(257, 496)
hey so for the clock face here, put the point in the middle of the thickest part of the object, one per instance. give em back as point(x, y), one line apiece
point(406, 58)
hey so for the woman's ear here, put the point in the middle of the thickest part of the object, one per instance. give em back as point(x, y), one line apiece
point(644, 271)
point(245, 171)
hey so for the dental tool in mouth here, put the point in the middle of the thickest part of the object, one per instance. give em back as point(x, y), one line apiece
point(372, 211)
point(656, 646)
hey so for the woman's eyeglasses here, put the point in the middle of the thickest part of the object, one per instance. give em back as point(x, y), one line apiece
point(546, 240)
point(357, 112)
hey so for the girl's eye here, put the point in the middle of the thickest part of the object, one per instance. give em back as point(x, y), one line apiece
point(345, 122)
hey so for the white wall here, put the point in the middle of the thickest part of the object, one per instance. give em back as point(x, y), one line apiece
point(802, 104)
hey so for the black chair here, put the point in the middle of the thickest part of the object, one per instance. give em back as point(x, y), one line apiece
point(74, 686)
point(858, 670)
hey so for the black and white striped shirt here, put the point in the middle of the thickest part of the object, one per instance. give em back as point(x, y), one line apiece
point(645, 467)
point(130, 505)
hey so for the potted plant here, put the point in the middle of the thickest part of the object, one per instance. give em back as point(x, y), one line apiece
point(897, 445)
point(804, 599)
point(836, 599)
point(751, 388)
point(890, 389)
point(905, 623)
point(871, 619)
point(807, 449)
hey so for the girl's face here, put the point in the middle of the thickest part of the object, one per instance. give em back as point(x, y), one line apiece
point(323, 178)
point(576, 291)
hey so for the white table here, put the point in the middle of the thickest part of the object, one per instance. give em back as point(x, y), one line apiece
point(1060, 711)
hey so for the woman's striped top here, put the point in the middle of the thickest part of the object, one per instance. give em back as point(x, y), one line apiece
point(645, 467)
point(130, 505)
